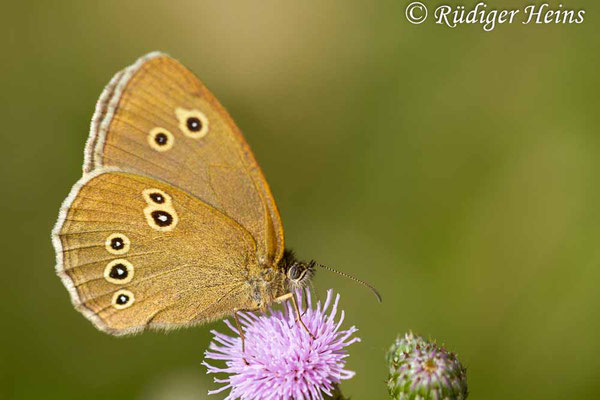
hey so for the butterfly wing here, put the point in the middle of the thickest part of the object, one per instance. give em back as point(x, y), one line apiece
point(135, 252)
point(157, 118)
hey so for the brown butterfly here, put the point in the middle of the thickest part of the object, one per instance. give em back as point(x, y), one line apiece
point(172, 223)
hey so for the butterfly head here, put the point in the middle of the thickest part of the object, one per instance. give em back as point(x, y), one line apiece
point(298, 273)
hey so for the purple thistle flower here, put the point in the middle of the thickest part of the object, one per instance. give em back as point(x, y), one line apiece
point(281, 360)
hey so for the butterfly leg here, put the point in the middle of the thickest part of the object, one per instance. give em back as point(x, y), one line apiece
point(239, 328)
point(297, 309)
point(299, 317)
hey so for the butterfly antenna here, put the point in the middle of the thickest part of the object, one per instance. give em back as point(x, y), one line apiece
point(375, 292)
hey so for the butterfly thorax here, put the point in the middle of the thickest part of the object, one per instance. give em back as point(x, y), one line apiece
point(266, 286)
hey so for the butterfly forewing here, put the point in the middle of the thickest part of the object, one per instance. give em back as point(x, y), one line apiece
point(157, 118)
point(137, 252)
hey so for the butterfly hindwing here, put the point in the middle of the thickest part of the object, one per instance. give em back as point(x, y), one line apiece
point(155, 117)
point(137, 252)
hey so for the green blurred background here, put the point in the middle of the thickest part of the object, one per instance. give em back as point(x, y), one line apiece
point(454, 169)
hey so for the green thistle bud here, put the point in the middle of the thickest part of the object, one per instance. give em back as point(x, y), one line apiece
point(420, 370)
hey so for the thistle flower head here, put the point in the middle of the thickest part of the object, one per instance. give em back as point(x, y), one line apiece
point(425, 371)
point(281, 360)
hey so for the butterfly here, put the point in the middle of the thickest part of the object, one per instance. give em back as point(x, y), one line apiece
point(172, 223)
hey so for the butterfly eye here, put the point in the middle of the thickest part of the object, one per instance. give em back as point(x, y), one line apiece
point(122, 299)
point(296, 272)
point(117, 243)
point(118, 272)
point(193, 123)
point(160, 139)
